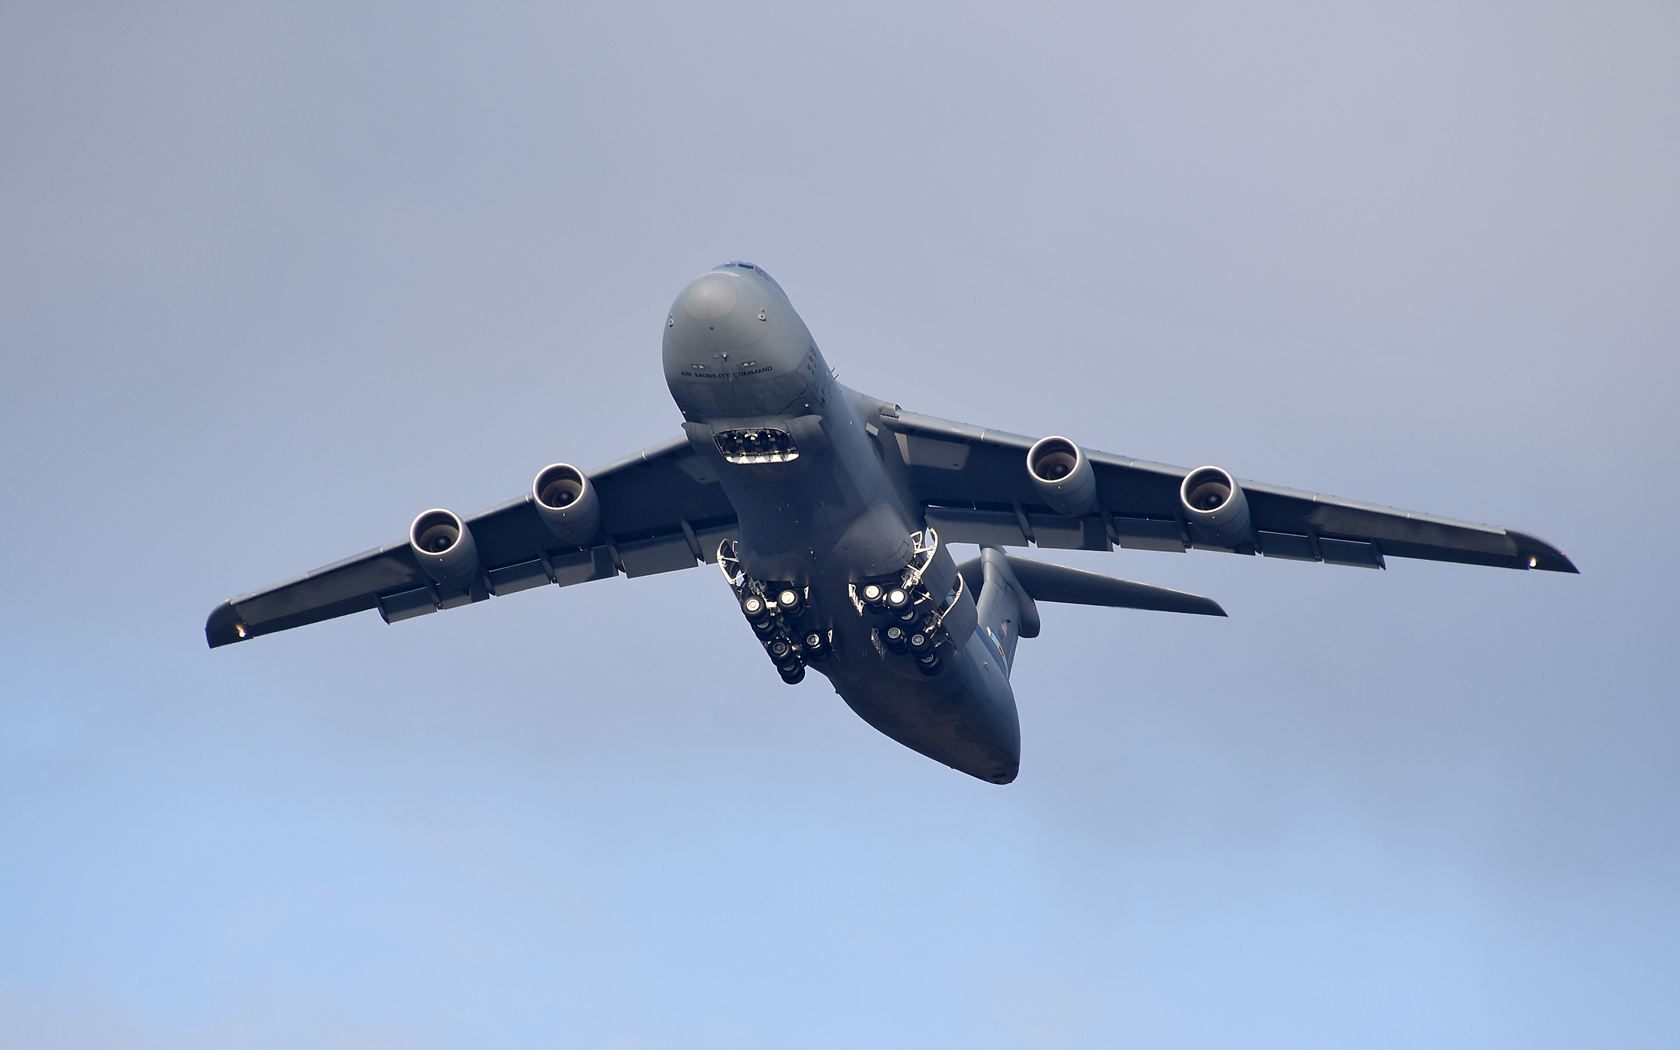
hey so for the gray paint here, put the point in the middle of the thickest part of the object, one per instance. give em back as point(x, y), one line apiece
point(276, 278)
point(836, 498)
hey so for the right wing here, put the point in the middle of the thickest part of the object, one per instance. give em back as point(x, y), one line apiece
point(661, 509)
point(974, 486)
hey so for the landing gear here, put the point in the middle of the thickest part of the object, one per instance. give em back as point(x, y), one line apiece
point(790, 601)
point(776, 612)
point(816, 646)
point(911, 617)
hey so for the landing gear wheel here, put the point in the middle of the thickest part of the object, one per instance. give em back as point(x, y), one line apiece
point(790, 601)
point(795, 676)
point(929, 664)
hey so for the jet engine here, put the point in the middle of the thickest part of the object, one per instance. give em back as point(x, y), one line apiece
point(1216, 506)
point(1063, 476)
point(567, 502)
point(444, 548)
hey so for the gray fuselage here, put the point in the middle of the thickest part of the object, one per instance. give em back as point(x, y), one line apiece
point(739, 360)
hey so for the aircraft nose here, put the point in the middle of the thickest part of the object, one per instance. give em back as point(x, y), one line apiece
point(710, 297)
point(734, 347)
point(719, 313)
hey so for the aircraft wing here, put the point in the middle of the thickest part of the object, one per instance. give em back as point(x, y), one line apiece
point(661, 509)
point(975, 488)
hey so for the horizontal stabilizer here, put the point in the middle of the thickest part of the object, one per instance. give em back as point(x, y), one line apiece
point(1058, 583)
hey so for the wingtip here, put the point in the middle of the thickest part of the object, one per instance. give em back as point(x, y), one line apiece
point(224, 626)
point(1540, 554)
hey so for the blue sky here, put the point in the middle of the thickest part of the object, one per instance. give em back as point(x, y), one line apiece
point(274, 278)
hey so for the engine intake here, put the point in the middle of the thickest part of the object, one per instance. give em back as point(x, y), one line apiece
point(1216, 506)
point(1063, 476)
point(567, 502)
point(444, 547)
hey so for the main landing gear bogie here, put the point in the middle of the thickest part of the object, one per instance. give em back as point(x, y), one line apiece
point(775, 612)
point(910, 618)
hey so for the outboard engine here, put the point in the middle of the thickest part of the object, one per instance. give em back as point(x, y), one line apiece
point(1216, 507)
point(444, 548)
point(1063, 476)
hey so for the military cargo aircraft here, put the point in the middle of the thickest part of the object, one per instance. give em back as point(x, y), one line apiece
point(831, 515)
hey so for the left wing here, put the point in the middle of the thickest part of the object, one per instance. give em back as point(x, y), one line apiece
point(661, 509)
point(975, 488)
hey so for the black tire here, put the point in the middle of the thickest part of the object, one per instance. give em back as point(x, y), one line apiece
point(795, 676)
point(789, 601)
point(754, 608)
point(929, 664)
point(779, 649)
point(893, 638)
point(919, 642)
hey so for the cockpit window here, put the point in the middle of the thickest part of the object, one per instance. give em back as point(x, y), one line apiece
point(751, 268)
point(754, 267)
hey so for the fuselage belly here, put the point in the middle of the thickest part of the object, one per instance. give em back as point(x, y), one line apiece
point(820, 509)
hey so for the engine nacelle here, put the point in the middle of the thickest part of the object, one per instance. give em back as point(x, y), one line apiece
point(1063, 476)
point(567, 502)
point(444, 547)
point(1216, 506)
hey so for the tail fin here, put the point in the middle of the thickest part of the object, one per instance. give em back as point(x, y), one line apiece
point(1006, 611)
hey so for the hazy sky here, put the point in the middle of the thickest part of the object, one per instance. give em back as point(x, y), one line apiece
point(275, 278)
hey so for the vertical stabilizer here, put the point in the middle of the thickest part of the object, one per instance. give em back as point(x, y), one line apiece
point(1006, 611)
